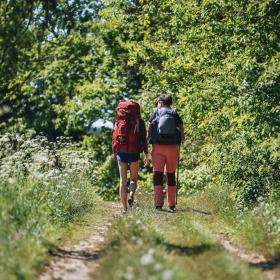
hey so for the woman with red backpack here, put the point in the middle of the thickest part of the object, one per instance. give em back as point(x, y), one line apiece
point(165, 133)
point(128, 141)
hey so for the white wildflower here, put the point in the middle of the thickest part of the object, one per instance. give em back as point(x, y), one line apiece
point(39, 175)
point(11, 180)
point(41, 157)
point(266, 213)
point(147, 258)
point(157, 266)
point(129, 273)
point(167, 274)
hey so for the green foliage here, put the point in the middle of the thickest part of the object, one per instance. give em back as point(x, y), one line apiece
point(106, 178)
point(73, 61)
point(99, 144)
point(150, 244)
point(65, 64)
point(220, 60)
point(44, 188)
point(251, 227)
point(68, 71)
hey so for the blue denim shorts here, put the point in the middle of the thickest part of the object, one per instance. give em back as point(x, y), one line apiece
point(127, 157)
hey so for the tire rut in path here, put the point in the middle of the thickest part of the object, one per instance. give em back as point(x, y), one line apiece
point(270, 268)
point(77, 261)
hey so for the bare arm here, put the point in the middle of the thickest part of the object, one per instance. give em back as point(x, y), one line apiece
point(143, 135)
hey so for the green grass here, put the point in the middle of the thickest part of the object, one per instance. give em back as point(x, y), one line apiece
point(147, 244)
point(249, 227)
point(35, 217)
point(46, 188)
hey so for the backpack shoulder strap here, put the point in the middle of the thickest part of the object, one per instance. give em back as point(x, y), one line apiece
point(153, 117)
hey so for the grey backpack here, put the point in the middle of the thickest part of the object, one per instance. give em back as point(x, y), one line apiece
point(164, 127)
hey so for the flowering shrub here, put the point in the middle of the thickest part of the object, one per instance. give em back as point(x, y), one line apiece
point(44, 186)
point(262, 224)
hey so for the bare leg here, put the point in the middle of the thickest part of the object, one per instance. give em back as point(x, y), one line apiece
point(134, 168)
point(123, 180)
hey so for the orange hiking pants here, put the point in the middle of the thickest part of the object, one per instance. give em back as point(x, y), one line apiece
point(164, 157)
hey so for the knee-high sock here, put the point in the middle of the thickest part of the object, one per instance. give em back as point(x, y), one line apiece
point(171, 189)
point(158, 189)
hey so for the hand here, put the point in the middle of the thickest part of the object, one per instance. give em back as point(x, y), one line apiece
point(146, 160)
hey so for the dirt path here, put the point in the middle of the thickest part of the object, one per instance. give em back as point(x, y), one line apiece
point(77, 261)
point(270, 268)
point(80, 260)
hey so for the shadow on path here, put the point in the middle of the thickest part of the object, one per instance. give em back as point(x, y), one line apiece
point(267, 265)
point(189, 209)
point(78, 255)
point(186, 250)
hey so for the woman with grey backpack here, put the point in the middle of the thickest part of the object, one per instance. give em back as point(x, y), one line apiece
point(165, 133)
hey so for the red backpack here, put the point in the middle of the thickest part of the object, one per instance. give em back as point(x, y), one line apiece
point(126, 132)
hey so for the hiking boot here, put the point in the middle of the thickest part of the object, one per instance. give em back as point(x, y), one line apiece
point(124, 211)
point(159, 208)
point(128, 186)
point(132, 188)
point(171, 209)
point(130, 200)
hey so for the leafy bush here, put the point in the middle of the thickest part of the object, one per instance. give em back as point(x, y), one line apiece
point(44, 186)
point(106, 178)
point(219, 59)
point(251, 226)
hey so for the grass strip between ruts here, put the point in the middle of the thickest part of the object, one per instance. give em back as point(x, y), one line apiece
point(147, 244)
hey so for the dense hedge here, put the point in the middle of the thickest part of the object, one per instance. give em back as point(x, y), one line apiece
point(219, 59)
